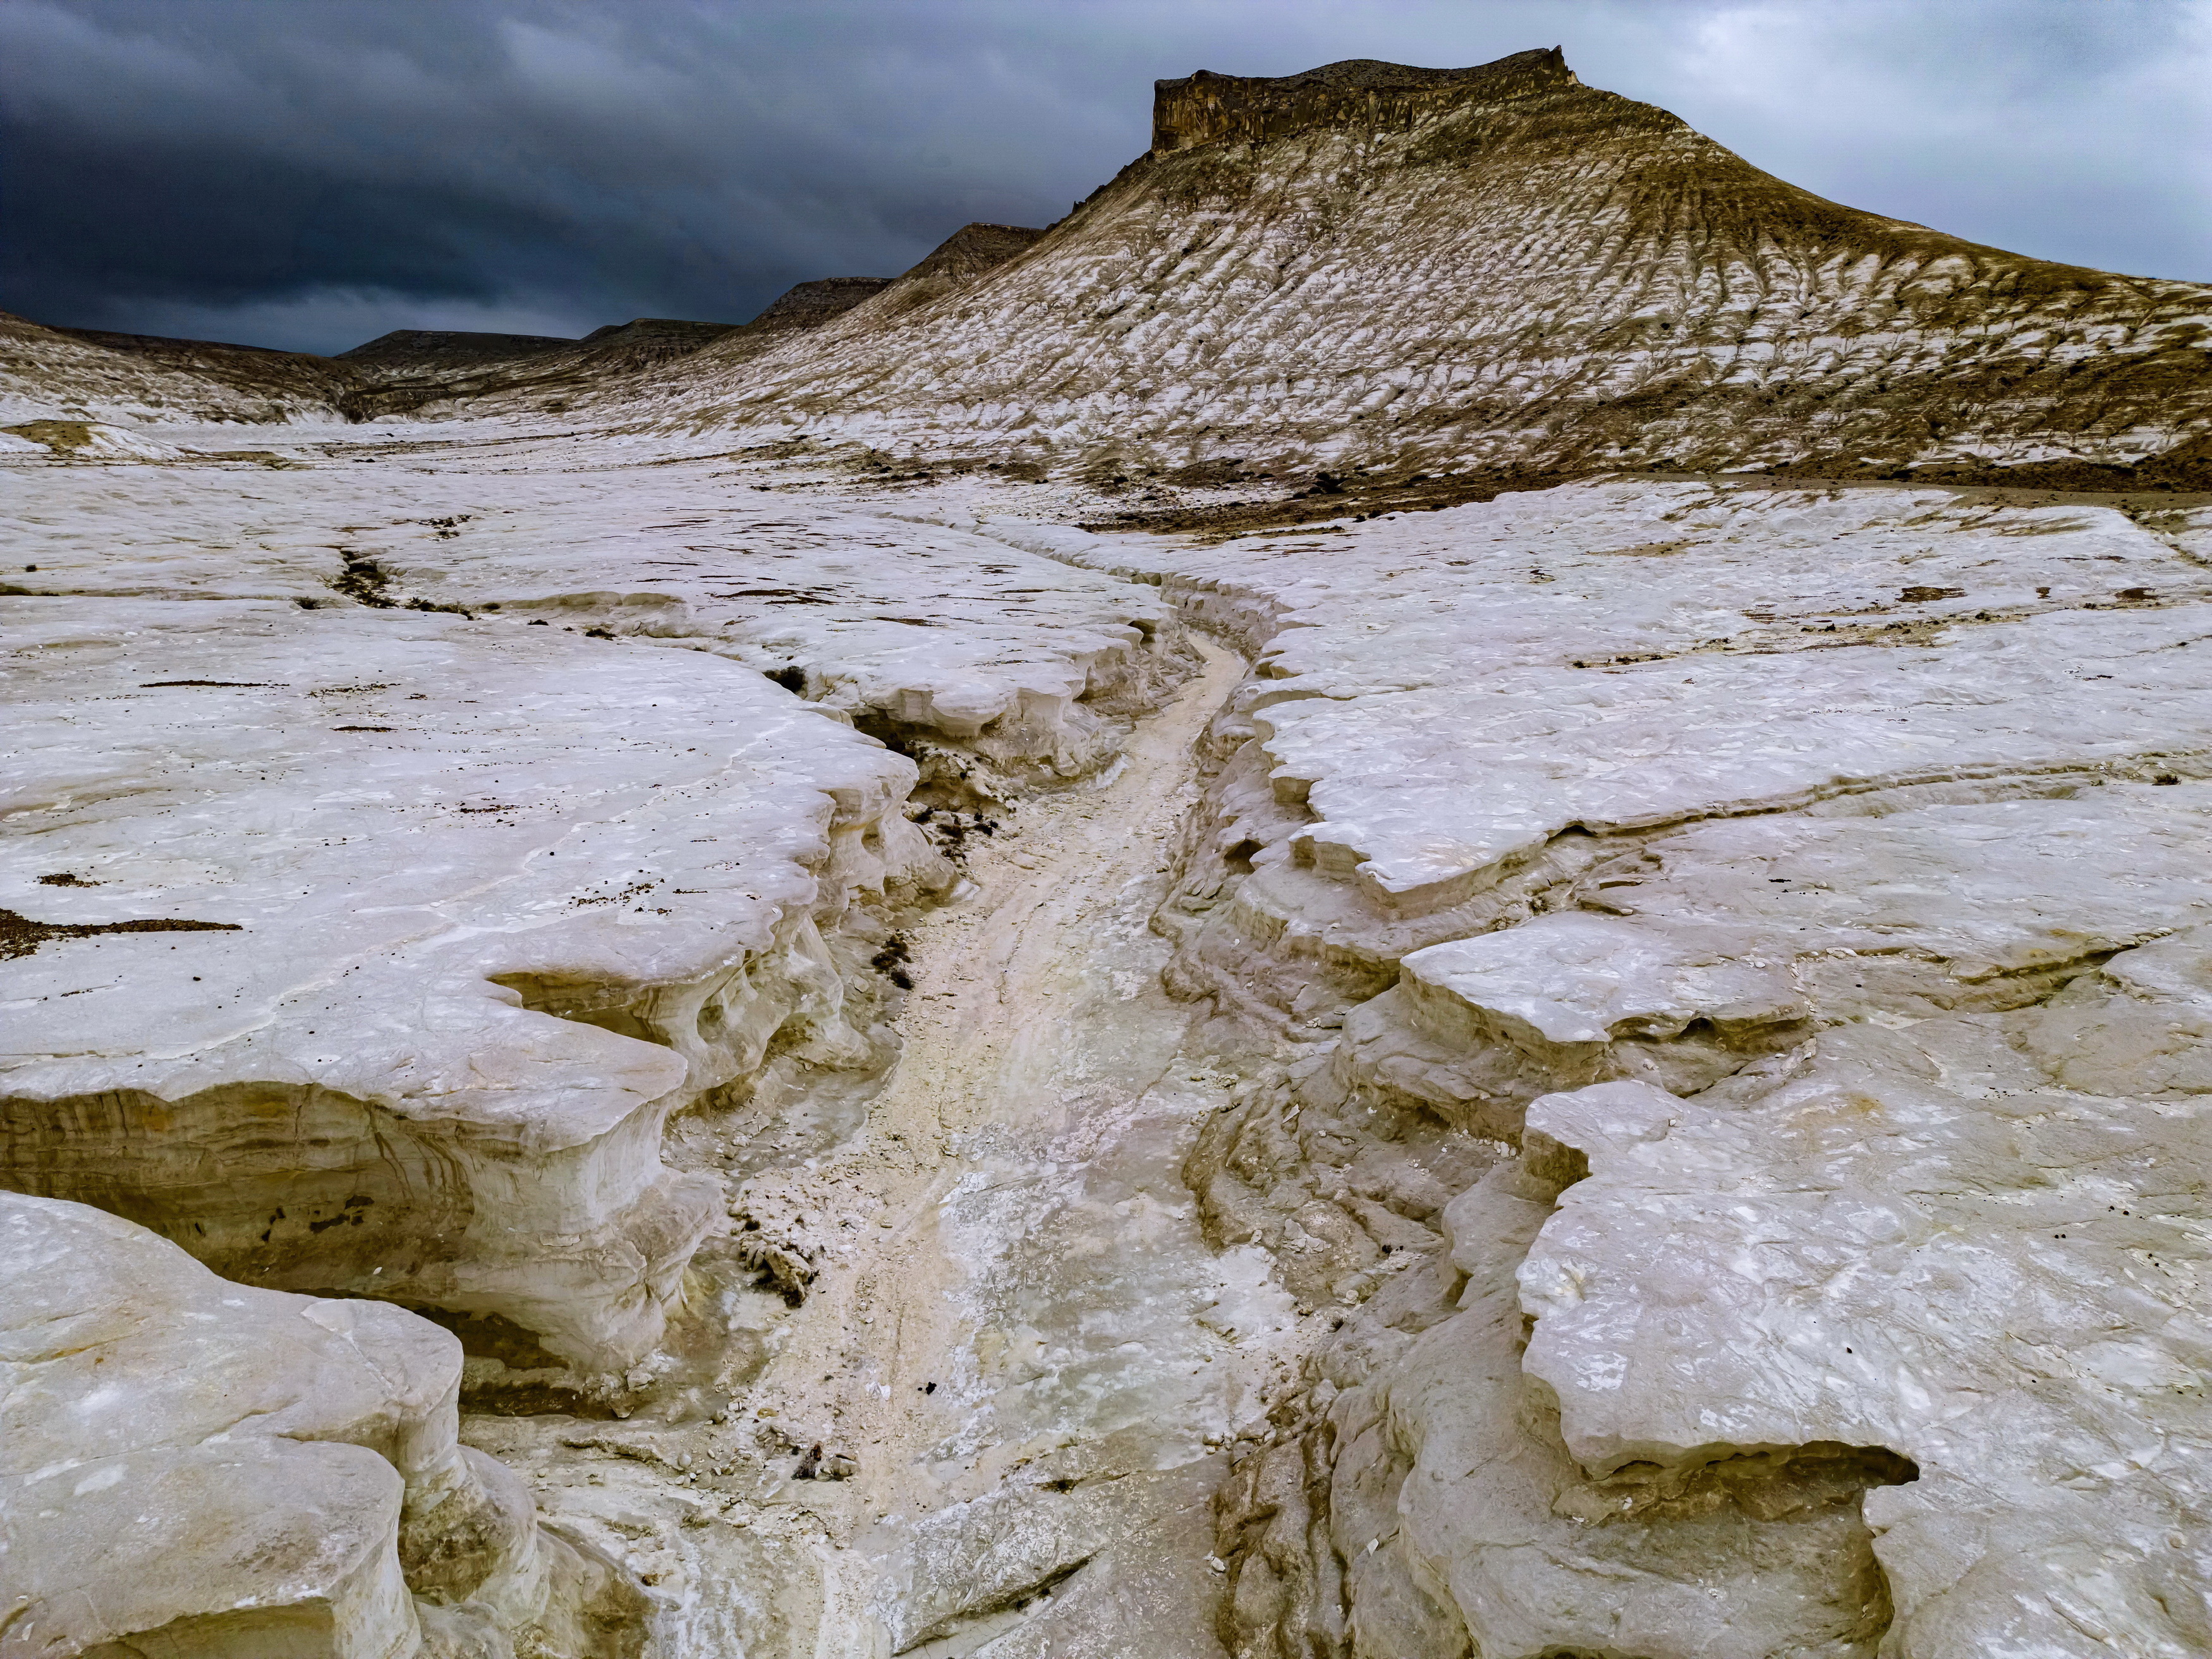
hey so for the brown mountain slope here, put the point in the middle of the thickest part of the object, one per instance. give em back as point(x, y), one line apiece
point(810, 304)
point(551, 376)
point(1497, 269)
point(296, 376)
point(590, 370)
point(412, 349)
point(428, 375)
point(75, 372)
point(529, 375)
point(959, 261)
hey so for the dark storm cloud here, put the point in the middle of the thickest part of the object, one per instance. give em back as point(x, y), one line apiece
point(310, 172)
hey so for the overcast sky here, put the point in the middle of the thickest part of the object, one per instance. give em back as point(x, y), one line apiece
point(309, 173)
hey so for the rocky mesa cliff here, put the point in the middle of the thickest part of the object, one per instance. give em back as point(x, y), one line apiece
point(1497, 270)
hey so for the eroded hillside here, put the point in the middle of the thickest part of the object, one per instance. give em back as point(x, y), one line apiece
point(1499, 271)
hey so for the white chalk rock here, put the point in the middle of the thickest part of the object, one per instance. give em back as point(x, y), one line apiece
point(1934, 906)
point(2142, 1025)
point(1462, 712)
point(1475, 1028)
point(1496, 1521)
point(1578, 776)
point(1912, 1241)
point(1579, 981)
point(190, 1466)
point(306, 892)
point(933, 636)
point(1563, 1132)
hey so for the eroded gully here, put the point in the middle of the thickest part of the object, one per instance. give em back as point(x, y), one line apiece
point(1020, 1354)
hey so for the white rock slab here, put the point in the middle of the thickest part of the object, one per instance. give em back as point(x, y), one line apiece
point(1392, 777)
point(1476, 1028)
point(932, 632)
point(1576, 980)
point(414, 832)
point(1536, 1558)
point(1913, 1240)
point(188, 1465)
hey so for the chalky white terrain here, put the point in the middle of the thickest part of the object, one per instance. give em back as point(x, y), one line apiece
point(654, 1009)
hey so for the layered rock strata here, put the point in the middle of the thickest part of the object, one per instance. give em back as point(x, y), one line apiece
point(604, 365)
point(1741, 1159)
point(418, 374)
point(75, 372)
point(372, 951)
point(808, 305)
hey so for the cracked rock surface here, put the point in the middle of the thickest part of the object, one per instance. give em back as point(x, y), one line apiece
point(1619, 1080)
point(1827, 1284)
point(417, 1075)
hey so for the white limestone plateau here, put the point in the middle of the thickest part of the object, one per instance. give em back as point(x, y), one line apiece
point(678, 1035)
point(1816, 874)
point(994, 667)
point(373, 960)
point(1736, 928)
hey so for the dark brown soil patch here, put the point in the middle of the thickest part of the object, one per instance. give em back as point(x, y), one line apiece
point(2122, 489)
point(20, 935)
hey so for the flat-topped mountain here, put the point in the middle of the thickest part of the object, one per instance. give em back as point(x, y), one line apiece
point(1497, 269)
point(1203, 107)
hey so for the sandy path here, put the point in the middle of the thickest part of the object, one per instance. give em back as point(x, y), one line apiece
point(1035, 1031)
point(1019, 1336)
